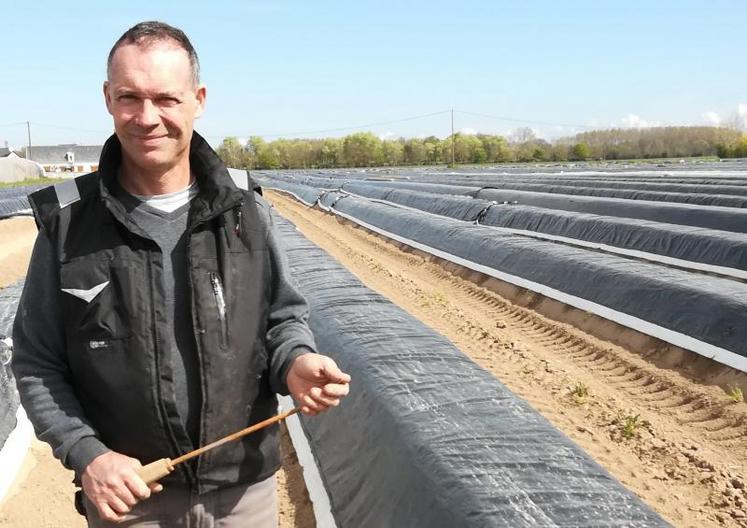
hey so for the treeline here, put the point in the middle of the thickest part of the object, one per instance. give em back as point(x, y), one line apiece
point(364, 149)
point(658, 142)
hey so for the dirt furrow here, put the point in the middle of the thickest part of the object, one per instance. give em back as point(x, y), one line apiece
point(680, 445)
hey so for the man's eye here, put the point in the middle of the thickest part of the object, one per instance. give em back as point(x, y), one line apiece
point(168, 101)
point(126, 98)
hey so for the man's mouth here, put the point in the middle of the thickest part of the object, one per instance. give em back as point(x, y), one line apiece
point(149, 139)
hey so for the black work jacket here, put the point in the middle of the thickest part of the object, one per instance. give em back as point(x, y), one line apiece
point(118, 366)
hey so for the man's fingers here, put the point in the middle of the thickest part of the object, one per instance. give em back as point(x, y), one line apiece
point(124, 494)
point(118, 505)
point(335, 390)
point(334, 374)
point(313, 405)
point(107, 514)
point(323, 402)
point(320, 397)
point(156, 487)
point(137, 487)
point(308, 411)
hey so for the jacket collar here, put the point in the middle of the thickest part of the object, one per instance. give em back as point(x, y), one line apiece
point(217, 191)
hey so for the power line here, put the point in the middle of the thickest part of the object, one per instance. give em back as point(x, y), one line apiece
point(525, 121)
point(340, 129)
point(61, 127)
point(337, 129)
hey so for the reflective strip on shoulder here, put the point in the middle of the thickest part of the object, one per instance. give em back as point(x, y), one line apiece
point(67, 193)
point(240, 178)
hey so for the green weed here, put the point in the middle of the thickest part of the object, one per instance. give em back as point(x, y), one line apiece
point(735, 393)
point(629, 426)
point(580, 393)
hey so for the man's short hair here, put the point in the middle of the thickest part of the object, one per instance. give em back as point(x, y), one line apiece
point(146, 33)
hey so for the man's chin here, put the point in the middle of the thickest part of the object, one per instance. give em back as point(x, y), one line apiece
point(150, 159)
point(154, 163)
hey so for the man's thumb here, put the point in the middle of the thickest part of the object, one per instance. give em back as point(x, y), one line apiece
point(334, 374)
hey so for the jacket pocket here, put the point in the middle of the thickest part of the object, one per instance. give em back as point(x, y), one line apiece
point(98, 300)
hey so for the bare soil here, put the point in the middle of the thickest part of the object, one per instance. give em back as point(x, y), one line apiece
point(16, 241)
point(42, 494)
point(680, 444)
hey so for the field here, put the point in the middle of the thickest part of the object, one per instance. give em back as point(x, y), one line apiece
point(666, 422)
point(663, 420)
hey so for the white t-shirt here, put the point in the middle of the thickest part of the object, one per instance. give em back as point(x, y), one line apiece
point(170, 201)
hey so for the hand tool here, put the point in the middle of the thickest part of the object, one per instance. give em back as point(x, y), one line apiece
point(155, 471)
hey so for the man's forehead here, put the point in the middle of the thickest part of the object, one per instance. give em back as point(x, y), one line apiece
point(147, 46)
point(161, 63)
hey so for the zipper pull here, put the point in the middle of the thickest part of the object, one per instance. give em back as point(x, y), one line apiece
point(237, 213)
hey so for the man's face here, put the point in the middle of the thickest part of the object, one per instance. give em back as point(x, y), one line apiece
point(152, 98)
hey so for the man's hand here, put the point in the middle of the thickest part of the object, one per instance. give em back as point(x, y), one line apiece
point(316, 383)
point(112, 484)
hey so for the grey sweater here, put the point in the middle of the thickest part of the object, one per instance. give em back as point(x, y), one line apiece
point(39, 356)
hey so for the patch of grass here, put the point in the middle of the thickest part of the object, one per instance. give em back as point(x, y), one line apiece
point(735, 393)
point(580, 393)
point(34, 181)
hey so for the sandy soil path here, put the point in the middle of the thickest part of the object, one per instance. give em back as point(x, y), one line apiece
point(679, 445)
point(16, 241)
point(42, 494)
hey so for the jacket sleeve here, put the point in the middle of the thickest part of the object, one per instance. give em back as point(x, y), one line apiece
point(40, 367)
point(288, 332)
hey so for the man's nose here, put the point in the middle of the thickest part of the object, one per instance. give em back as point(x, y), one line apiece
point(148, 114)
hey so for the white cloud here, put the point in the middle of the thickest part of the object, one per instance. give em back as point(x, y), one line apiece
point(467, 131)
point(711, 118)
point(635, 121)
point(387, 135)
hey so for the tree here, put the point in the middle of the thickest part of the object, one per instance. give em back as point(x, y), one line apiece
point(495, 147)
point(523, 135)
point(580, 151)
point(233, 153)
point(360, 149)
point(434, 150)
point(330, 153)
point(740, 150)
point(392, 152)
point(265, 155)
point(414, 152)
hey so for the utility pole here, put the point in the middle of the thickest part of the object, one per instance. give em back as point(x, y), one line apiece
point(452, 137)
point(28, 130)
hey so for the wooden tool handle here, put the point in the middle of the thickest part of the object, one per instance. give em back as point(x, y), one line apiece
point(155, 471)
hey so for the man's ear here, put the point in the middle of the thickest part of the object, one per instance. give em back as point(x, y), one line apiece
point(200, 95)
point(107, 97)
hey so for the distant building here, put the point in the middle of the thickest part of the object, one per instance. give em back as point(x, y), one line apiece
point(57, 159)
point(8, 152)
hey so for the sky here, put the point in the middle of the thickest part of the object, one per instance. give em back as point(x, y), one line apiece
point(395, 68)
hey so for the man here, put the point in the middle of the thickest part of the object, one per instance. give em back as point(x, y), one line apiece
point(158, 313)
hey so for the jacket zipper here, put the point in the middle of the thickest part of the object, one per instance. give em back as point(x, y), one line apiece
point(198, 341)
point(220, 302)
point(238, 215)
